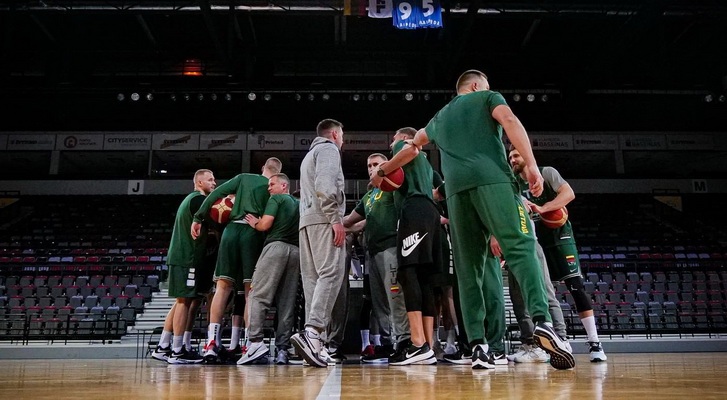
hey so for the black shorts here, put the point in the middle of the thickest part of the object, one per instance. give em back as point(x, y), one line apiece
point(418, 237)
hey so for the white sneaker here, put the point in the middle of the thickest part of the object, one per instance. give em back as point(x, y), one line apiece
point(596, 352)
point(326, 356)
point(523, 350)
point(256, 351)
point(533, 355)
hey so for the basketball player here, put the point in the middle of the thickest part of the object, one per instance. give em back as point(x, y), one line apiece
point(418, 250)
point(322, 235)
point(559, 244)
point(483, 200)
point(240, 245)
point(378, 210)
point(277, 271)
point(185, 258)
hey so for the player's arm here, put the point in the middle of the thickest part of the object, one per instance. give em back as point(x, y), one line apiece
point(223, 190)
point(565, 192)
point(356, 228)
point(515, 131)
point(350, 219)
point(261, 224)
point(326, 176)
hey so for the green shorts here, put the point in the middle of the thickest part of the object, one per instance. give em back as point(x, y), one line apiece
point(445, 277)
point(240, 247)
point(562, 261)
point(183, 281)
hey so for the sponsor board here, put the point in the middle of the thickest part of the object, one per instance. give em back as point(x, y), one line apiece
point(79, 141)
point(270, 141)
point(690, 142)
point(595, 142)
point(31, 142)
point(551, 142)
point(223, 141)
point(175, 141)
point(643, 142)
point(127, 141)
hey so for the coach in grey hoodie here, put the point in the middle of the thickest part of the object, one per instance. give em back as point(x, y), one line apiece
point(322, 255)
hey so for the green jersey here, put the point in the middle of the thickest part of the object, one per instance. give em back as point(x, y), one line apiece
point(418, 177)
point(251, 196)
point(378, 208)
point(286, 210)
point(470, 142)
point(551, 183)
point(183, 250)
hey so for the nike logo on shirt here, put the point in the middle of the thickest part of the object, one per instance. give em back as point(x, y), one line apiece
point(410, 243)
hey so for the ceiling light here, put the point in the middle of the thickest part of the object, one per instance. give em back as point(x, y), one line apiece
point(531, 97)
point(136, 97)
point(408, 97)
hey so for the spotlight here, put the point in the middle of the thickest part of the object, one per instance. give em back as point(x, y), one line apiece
point(721, 98)
point(187, 97)
point(213, 97)
point(544, 98)
point(200, 97)
point(173, 97)
point(426, 96)
point(384, 97)
point(297, 97)
point(408, 97)
point(136, 97)
point(326, 97)
point(531, 97)
point(149, 97)
point(267, 97)
point(371, 97)
point(311, 97)
point(120, 97)
point(228, 97)
point(251, 96)
point(356, 97)
point(516, 97)
point(163, 171)
point(708, 98)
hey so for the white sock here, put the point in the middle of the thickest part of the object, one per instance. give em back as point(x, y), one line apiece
point(235, 338)
point(451, 337)
point(165, 339)
point(332, 350)
point(364, 339)
point(177, 343)
point(377, 340)
point(590, 324)
point(188, 340)
point(213, 332)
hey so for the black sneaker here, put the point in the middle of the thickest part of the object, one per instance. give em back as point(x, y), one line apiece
point(557, 348)
point(338, 356)
point(228, 356)
point(185, 357)
point(381, 354)
point(481, 358)
point(463, 356)
point(498, 358)
point(162, 353)
point(412, 354)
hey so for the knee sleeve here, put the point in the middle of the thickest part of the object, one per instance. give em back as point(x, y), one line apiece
point(581, 298)
point(239, 306)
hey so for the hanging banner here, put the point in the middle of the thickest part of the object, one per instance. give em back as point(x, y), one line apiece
point(380, 8)
point(175, 141)
point(31, 142)
point(413, 14)
point(431, 14)
point(223, 141)
point(74, 141)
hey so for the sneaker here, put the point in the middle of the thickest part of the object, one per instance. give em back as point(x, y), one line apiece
point(256, 351)
point(282, 357)
point(295, 358)
point(309, 346)
point(498, 358)
point(532, 354)
point(555, 346)
point(596, 352)
point(380, 354)
point(481, 357)
point(429, 361)
point(211, 352)
point(459, 358)
point(184, 357)
point(524, 348)
point(412, 354)
point(368, 351)
point(162, 353)
point(326, 356)
point(449, 348)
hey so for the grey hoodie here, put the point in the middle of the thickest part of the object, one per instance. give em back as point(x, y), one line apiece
point(322, 198)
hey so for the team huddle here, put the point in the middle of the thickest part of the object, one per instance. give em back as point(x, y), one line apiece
point(488, 205)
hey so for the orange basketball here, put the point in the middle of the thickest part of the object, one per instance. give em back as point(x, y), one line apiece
point(392, 180)
point(221, 209)
point(554, 219)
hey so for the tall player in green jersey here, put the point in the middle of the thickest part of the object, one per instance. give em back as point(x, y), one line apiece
point(559, 245)
point(483, 200)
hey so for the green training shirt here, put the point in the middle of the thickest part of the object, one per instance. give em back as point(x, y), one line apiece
point(286, 210)
point(251, 196)
point(183, 250)
point(378, 208)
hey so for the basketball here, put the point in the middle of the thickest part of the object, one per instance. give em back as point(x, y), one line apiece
point(392, 180)
point(220, 211)
point(554, 219)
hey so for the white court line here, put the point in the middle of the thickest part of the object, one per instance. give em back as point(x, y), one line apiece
point(331, 389)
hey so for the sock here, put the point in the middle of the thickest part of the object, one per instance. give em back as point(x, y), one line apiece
point(187, 338)
point(332, 349)
point(235, 338)
point(377, 340)
point(213, 331)
point(590, 324)
point(451, 337)
point(364, 339)
point(165, 339)
point(177, 343)
point(456, 329)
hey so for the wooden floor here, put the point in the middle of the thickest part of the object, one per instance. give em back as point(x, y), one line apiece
point(694, 376)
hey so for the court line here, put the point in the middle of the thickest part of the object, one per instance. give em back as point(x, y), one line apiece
point(332, 387)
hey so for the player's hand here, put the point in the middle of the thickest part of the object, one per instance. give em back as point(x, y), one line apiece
point(339, 235)
point(536, 208)
point(252, 220)
point(376, 179)
point(196, 227)
point(443, 220)
point(495, 247)
point(535, 179)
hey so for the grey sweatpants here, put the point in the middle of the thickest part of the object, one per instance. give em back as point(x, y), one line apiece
point(322, 269)
point(276, 278)
point(387, 298)
point(521, 312)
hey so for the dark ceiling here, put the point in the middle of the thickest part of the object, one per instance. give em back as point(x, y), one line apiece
point(615, 65)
